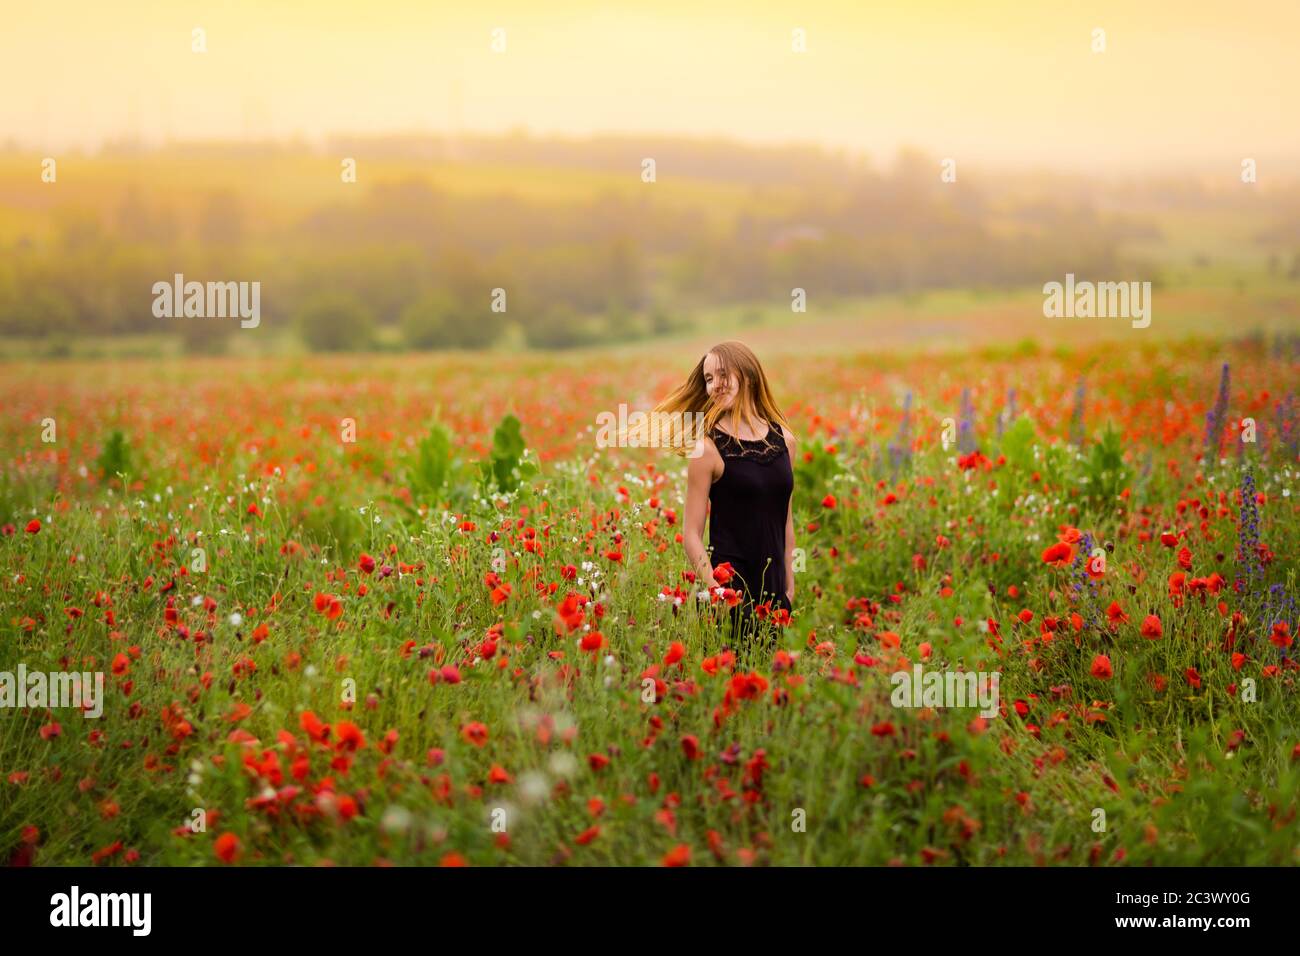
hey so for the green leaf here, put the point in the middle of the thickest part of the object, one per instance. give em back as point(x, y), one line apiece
point(504, 468)
point(1018, 444)
point(1106, 471)
point(433, 465)
point(115, 457)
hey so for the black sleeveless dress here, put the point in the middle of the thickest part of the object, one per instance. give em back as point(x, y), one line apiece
point(748, 506)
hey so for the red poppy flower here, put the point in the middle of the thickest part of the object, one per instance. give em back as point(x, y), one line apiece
point(1058, 554)
point(350, 737)
point(1151, 627)
point(828, 501)
point(1101, 667)
point(679, 855)
point(569, 615)
point(747, 686)
point(315, 728)
point(724, 572)
point(111, 850)
point(226, 847)
point(33, 526)
point(1096, 567)
point(730, 596)
point(345, 806)
point(329, 605)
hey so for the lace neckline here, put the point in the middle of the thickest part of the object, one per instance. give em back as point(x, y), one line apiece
point(758, 449)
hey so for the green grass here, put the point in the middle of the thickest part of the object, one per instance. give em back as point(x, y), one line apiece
point(1184, 774)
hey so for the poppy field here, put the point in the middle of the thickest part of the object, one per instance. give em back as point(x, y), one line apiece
point(406, 610)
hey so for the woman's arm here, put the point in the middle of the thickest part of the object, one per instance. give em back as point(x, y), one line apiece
point(699, 477)
point(789, 528)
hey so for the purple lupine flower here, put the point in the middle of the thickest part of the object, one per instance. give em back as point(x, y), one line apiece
point(1214, 419)
point(1286, 611)
point(1084, 586)
point(1250, 572)
point(900, 450)
point(1275, 608)
point(966, 430)
point(1288, 434)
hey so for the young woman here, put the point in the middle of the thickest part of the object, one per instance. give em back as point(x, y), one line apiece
point(741, 468)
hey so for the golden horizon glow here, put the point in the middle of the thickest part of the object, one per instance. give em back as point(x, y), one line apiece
point(1180, 85)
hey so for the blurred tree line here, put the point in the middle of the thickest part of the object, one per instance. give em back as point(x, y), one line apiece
point(409, 264)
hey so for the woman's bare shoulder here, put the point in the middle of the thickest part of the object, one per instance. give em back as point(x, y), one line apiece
point(704, 451)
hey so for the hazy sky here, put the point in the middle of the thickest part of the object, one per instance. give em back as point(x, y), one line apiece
point(1182, 83)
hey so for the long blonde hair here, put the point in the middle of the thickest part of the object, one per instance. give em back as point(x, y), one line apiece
point(691, 400)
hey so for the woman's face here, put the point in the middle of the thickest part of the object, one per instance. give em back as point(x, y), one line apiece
point(722, 388)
